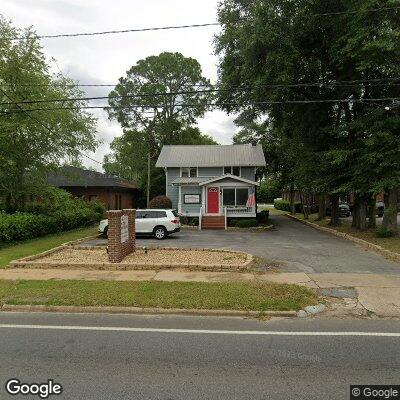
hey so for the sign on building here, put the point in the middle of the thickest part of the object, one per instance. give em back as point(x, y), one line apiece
point(124, 228)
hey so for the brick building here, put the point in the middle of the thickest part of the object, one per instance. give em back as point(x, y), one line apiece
point(113, 192)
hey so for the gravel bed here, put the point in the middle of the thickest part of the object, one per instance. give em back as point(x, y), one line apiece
point(153, 256)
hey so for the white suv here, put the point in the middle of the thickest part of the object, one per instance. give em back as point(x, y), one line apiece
point(157, 223)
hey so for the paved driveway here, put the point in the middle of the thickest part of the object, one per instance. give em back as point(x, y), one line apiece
point(297, 246)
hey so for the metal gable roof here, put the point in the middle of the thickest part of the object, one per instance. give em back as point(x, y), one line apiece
point(211, 156)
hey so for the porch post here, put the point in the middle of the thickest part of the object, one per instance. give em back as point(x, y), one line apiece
point(179, 199)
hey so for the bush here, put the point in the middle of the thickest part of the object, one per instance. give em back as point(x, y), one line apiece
point(162, 202)
point(20, 226)
point(262, 216)
point(51, 215)
point(382, 232)
point(269, 190)
point(190, 221)
point(285, 206)
point(247, 223)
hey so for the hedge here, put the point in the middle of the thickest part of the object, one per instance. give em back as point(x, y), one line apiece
point(242, 222)
point(23, 225)
point(285, 206)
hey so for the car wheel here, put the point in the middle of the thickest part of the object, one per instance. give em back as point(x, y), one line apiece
point(160, 232)
point(105, 232)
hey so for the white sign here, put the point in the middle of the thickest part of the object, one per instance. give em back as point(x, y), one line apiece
point(124, 228)
point(192, 199)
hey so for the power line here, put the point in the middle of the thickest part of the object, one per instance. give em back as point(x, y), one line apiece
point(44, 126)
point(63, 35)
point(332, 83)
point(188, 105)
point(182, 92)
point(158, 28)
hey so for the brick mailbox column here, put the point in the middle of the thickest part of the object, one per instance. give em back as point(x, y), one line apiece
point(121, 234)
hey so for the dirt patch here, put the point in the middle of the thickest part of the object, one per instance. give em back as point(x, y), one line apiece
point(97, 258)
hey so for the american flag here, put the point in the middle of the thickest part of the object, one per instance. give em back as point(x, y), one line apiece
point(251, 201)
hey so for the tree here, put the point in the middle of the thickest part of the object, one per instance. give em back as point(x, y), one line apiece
point(291, 44)
point(31, 143)
point(160, 86)
point(128, 157)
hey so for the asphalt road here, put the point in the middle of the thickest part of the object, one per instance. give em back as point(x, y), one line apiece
point(212, 359)
point(296, 246)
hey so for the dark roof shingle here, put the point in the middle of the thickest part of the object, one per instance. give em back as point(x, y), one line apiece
point(68, 176)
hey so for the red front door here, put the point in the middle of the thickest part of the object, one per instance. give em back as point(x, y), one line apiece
point(213, 200)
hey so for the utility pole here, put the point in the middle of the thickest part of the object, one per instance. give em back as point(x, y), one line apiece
point(148, 179)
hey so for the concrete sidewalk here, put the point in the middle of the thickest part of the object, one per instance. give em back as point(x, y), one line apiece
point(379, 294)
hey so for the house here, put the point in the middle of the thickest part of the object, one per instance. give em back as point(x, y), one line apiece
point(212, 182)
point(113, 192)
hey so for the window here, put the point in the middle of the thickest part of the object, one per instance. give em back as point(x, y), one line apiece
point(242, 195)
point(193, 172)
point(236, 171)
point(139, 214)
point(155, 214)
point(117, 202)
point(229, 197)
point(235, 196)
point(92, 197)
point(189, 172)
point(232, 170)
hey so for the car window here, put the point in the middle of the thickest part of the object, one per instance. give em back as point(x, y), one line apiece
point(156, 214)
point(175, 213)
point(139, 214)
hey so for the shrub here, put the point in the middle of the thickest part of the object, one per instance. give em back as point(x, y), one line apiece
point(247, 223)
point(45, 218)
point(20, 226)
point(269, 190)
point(262, 216)
point(285, 206)
point(382, 232)
point(162, 202)
point(190, 221)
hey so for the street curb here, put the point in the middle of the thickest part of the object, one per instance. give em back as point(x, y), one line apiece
point(142, 310)
point(390, 255)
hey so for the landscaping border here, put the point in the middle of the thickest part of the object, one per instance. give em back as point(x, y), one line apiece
point(390, 255)
point(144, 310)
point(32, 261)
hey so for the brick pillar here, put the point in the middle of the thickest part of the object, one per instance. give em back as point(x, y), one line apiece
point(120, 244)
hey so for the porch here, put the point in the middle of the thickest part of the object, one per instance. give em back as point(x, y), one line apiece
point(213, 200)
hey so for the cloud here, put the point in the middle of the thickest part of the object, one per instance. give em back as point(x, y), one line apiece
point(104, 59)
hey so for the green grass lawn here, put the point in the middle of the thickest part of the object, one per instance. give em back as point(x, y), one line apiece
point(191, 295)
point(391, 243)
point(9, 252)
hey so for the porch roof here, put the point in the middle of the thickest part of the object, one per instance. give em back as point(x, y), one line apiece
point(189, 181)
point(229, 176)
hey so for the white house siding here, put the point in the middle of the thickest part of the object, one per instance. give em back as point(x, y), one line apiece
point(190, 209)
point(173, 191)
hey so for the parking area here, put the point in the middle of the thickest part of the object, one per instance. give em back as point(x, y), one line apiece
point(295, 246)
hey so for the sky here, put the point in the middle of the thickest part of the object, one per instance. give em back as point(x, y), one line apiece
point(104, 59)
